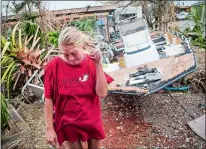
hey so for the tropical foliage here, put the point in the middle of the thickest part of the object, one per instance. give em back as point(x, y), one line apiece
point(53, 38)
point(4, 113)
point(85, 24)
point(19, 57)
point(30, 28)
point(22, 52)
point(196, 16)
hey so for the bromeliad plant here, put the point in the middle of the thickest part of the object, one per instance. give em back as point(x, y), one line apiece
point(18, 57)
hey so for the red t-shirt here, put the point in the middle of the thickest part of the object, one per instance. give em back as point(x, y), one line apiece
point(76, 104)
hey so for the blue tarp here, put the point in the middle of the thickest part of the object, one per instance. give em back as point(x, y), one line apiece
point(100, 21)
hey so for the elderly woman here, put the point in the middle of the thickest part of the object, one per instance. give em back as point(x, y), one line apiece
point(73, 83)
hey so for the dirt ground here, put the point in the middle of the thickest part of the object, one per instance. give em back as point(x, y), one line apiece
point(155, 121)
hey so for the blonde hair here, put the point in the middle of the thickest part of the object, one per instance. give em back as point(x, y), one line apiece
point(71, 35)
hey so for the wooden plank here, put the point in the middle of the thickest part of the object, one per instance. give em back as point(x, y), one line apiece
point(127, 89)
point(169, 67)
point(14, 114)
point(10, 139)
point(198, 126)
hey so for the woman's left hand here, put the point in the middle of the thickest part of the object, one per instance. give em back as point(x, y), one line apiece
point(96, 55)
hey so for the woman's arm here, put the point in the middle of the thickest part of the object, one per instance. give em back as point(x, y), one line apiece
point(101, 83)
point(51, 136)
point(48, 110)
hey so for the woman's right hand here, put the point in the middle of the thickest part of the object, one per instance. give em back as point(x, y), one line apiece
point(51, 138)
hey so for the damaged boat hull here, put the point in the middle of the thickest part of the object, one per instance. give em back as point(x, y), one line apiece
point(175, 58)
point(172, 69)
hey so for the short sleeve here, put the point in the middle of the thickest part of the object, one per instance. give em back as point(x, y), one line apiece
point(48, 82)
point(108, 78)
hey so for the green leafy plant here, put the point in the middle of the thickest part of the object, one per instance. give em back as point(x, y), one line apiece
point(195, 15)
point(4, 113)
point(200, 42)
point(29, 28)
point(53, 38)
point(85, 24)
point(20, 57)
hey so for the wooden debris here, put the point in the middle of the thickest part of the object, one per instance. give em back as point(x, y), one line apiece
point(14, 114)
point(127, 89)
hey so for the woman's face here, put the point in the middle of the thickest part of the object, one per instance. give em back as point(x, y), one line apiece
point(72, 53)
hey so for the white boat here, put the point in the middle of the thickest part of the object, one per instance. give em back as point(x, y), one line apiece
point(153, 59)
